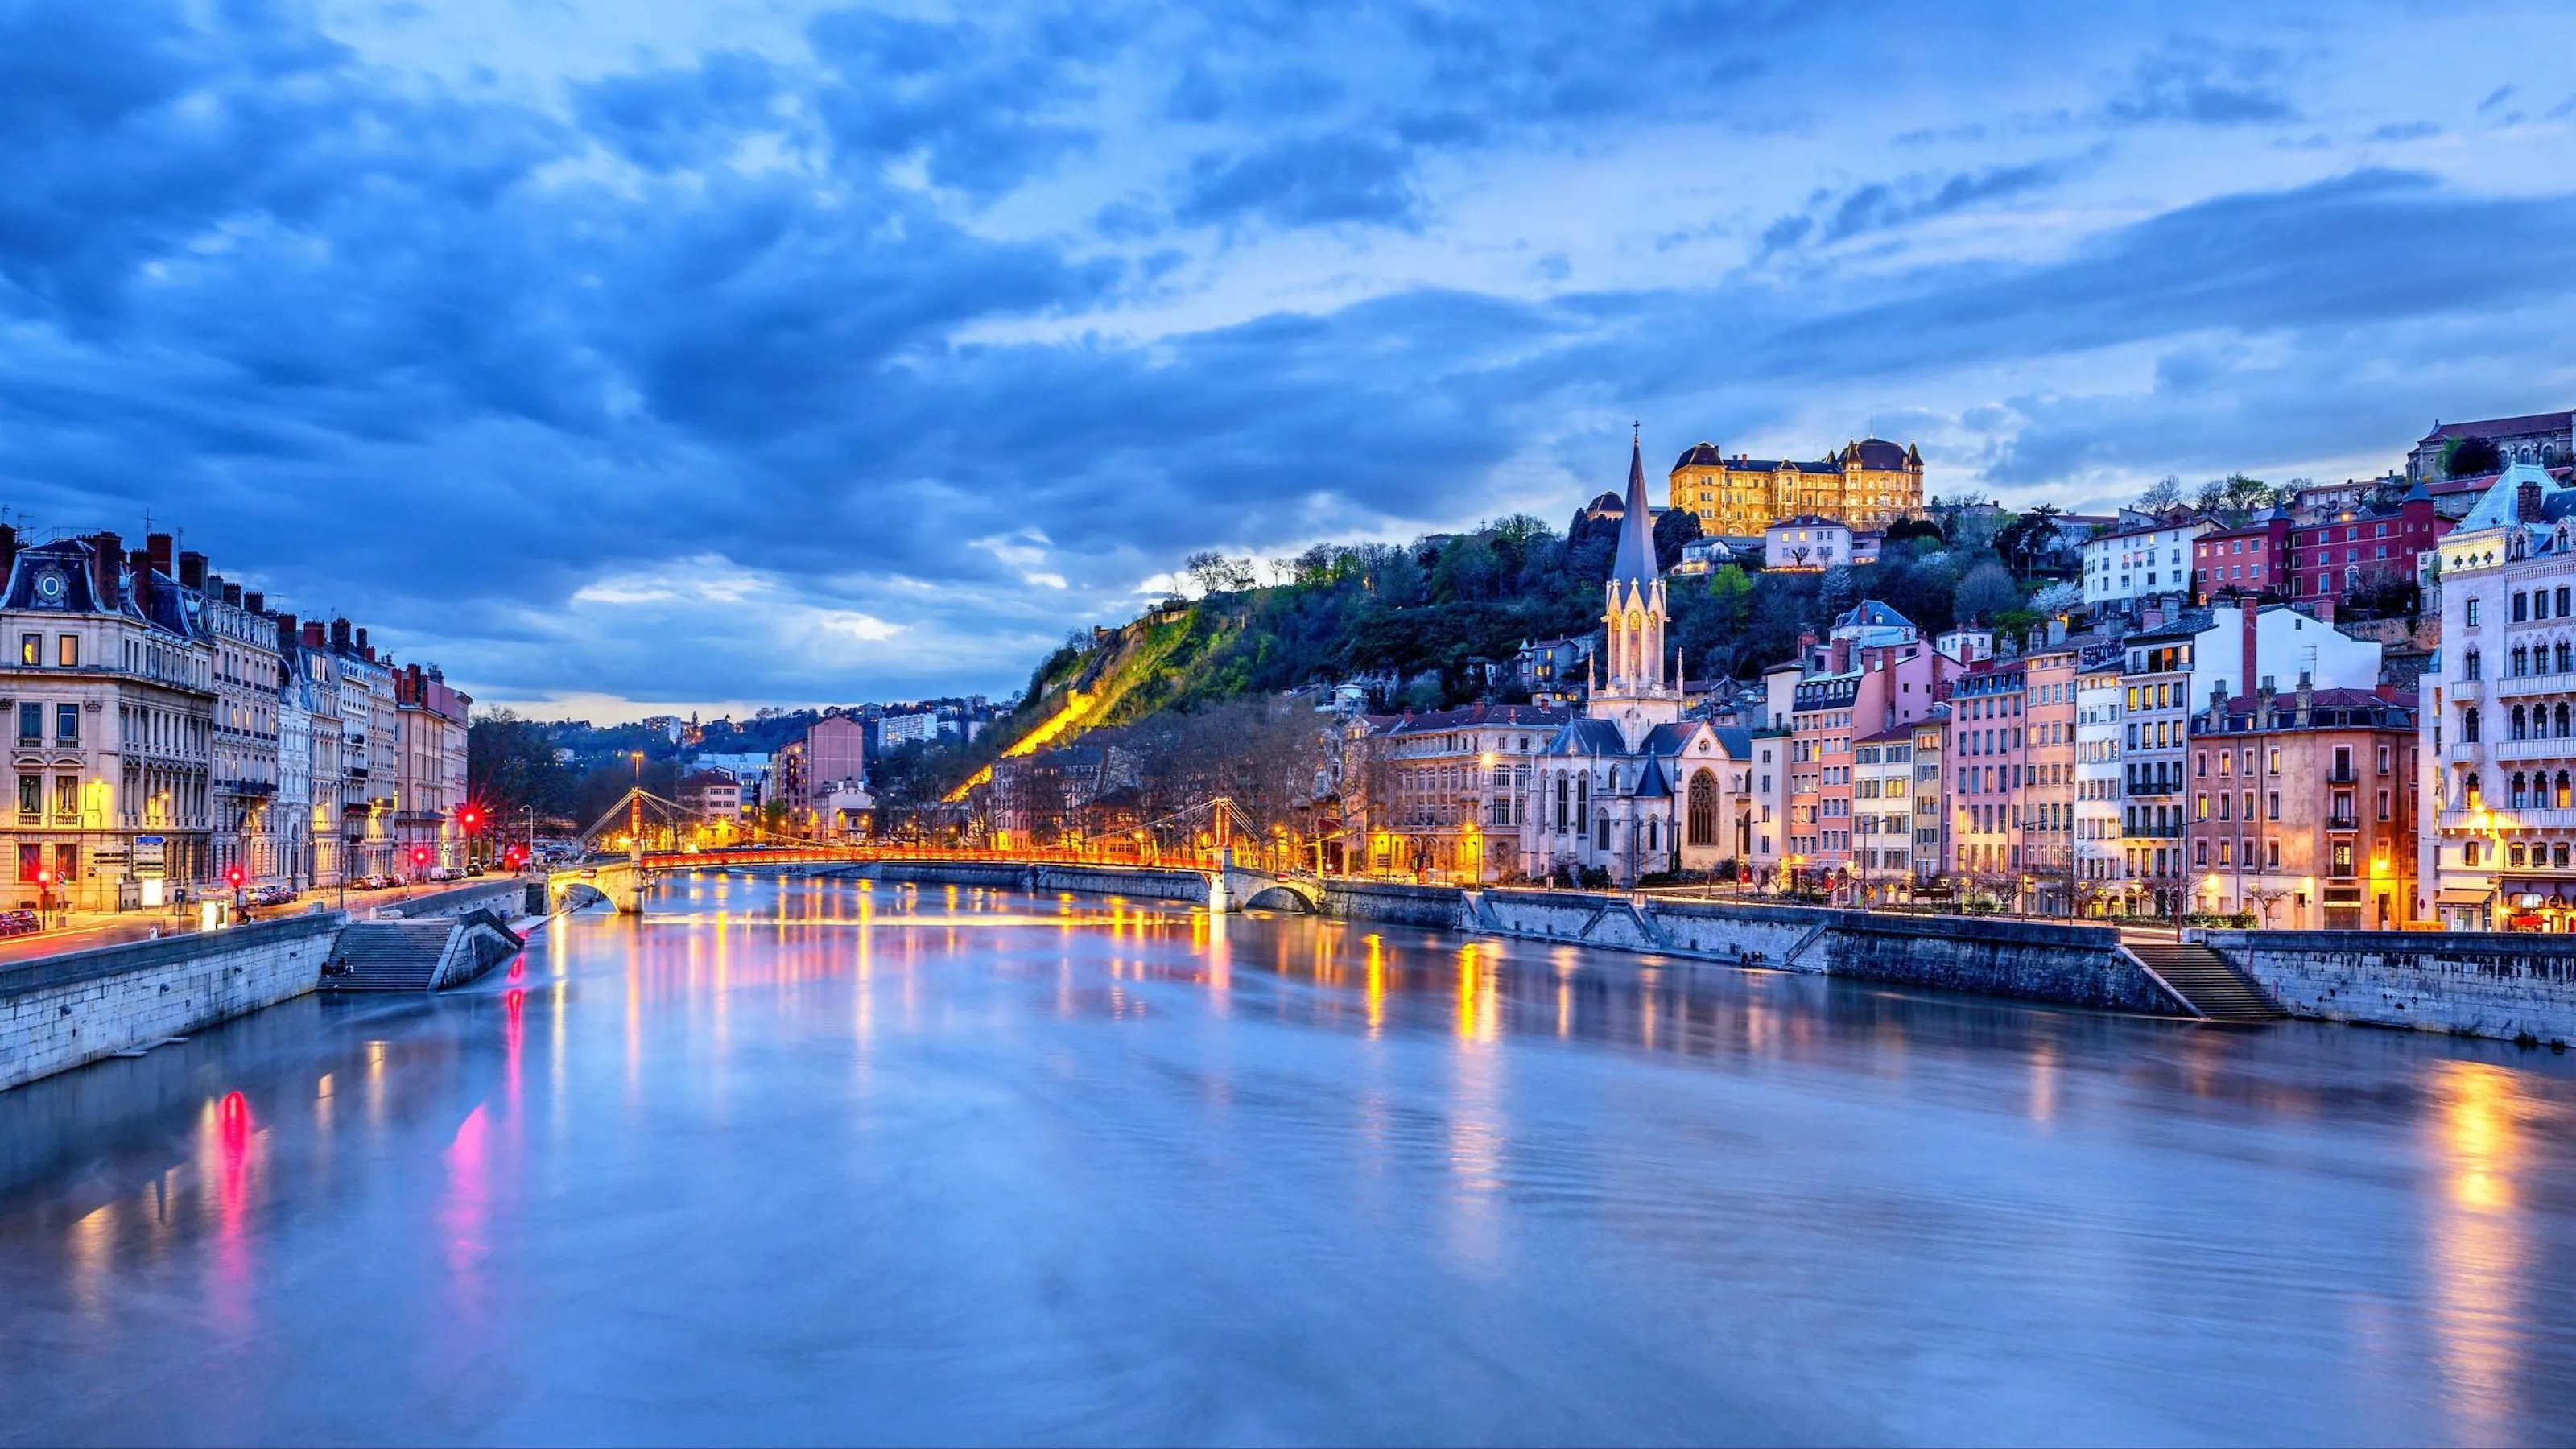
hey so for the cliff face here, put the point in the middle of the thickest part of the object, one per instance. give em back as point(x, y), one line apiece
point(1162, 659)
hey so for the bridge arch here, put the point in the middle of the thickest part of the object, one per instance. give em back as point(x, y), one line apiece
point(1293, 896)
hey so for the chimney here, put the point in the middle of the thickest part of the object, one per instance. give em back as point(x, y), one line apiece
point(287, 632)
point(339, 636)
point(2307, 701)
point(313, 635)
point(233, 595)
point(1842, 656)
point(2253, 621)
point(255, 602)
point(105, 549)
point(139, 562)
point(2527, 502)
point(159, 545)
point(362, 645)
point(192, 570)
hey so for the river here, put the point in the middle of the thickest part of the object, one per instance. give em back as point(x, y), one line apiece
point(815, 1161)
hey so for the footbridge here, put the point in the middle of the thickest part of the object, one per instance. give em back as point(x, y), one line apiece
point(622, 881)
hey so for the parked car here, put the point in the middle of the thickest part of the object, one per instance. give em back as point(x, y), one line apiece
point(20, 923)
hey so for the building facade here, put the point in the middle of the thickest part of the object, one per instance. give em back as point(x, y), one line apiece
point(2247, 562)
point(2355, 550)
point(1868, 484)
point(2303, 809)
point(2142, 560)
point(2499, 713)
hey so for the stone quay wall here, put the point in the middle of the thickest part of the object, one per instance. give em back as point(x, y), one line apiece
point(61, 1011)
point(504, 893)
point(2514, 987)
point(1435, 907)
point(2026, 960)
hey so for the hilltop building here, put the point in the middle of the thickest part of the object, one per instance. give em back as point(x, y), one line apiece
point(1867, 485)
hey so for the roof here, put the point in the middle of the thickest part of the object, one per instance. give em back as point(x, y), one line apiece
point(1880, 454)
point(1900, 733)
point(2186, 625)
point(2500, 427)
point(1805, 520)
point(1651, 784)
point(1470, 716)
point(1586, 737)
point(2496, 508)
point(1709, 455)
point(1871, 614)
point(69, 561)
point(1635, 561)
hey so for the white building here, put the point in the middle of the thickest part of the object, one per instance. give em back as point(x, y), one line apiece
point(2497, 711)
point(2143, 560)
point(915, 727)
point(2098, 718)
point(1807, 542)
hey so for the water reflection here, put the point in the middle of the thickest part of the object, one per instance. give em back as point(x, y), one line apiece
point(830, 1160)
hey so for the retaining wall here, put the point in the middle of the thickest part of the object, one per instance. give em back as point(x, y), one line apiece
point(1149, 882)
point(61, 1011)
point(480, 940)
point(1743, 932)
point(501, 893)
point(2025, 960)
point(1436, 907)
point(2510, 986)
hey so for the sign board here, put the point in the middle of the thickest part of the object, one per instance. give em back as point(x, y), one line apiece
point(150, 856)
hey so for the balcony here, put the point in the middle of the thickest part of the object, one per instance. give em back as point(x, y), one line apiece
point(2503, 821)
point(2519, 684)
point(2534, 749)
point(2343, 822)
point(2467, 753)
point(2345, 776)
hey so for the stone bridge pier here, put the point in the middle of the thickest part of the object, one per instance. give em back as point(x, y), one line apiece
point(1238, 888)
point(619, 884)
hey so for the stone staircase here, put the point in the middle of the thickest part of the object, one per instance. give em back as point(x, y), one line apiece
point(387, 956)
point(2213, 986)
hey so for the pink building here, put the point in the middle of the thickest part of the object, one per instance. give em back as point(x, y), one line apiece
point(836, 756)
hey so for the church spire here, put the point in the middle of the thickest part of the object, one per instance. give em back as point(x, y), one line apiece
point(1635, 561)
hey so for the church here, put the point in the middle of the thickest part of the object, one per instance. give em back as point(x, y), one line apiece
point(1632, 788)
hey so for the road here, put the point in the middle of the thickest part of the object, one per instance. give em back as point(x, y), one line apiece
point(93, 929)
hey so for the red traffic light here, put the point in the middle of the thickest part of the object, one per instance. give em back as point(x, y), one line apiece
point(469, 817)
point(44, 877)
point(420, 856)
point(234, 877)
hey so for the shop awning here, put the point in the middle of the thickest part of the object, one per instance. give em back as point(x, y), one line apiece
point(2462, 896)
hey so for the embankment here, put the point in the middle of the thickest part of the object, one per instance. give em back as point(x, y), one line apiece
point(61, 1011)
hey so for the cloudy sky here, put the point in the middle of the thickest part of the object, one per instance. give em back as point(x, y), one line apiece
point(621, 355)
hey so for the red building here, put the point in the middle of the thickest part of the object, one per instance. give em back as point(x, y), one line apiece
point(2253, 560)
point(2352, 550)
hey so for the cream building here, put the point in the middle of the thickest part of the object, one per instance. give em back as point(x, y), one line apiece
point(1868, 484)
point(111, 683)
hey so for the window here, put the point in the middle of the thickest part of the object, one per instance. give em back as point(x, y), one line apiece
point(67, 651)
point(2272, 854)
point(31, 649)
point(2468, 852)
point(2469, 725)
point(2383, 804)
point(2272, 805)
point(2383, 759)
point(31, 724)
point(2469, 613)
point(31, 795)
point(2513, 730)
point(2520, 612)
point(67, 724)
point(2471, 665)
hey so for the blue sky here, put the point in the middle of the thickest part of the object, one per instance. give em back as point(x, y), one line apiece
point(629, 356)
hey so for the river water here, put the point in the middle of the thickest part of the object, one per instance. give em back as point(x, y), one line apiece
point(812, 1161)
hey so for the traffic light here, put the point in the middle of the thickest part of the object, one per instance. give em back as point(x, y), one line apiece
point(469, 817)
point(234, 877)
point(420, 856)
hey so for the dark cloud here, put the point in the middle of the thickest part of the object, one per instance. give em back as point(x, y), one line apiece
point(2198, 83)
point(685, 116)
point(982, 107)
point(1319, 180)
point(670, 429)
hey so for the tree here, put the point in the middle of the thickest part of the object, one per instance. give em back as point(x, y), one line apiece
point(1986, 592)
point(511, 769)
point(2028, 538)
point(1905, 530)
point(2472, 457)
point(2164, 493)
point(2058, 598)
point(1676, 527)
